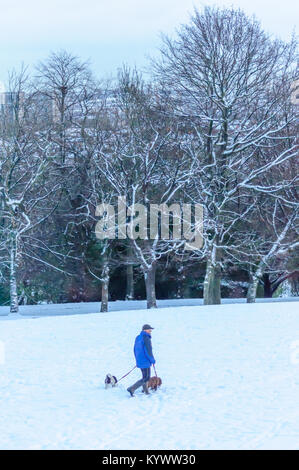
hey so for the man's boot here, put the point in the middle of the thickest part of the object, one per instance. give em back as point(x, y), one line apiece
point(145, 389)
point(134, 387)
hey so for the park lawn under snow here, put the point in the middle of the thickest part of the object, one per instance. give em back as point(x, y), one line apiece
point(230, 380)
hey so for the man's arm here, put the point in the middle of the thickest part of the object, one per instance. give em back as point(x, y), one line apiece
point(148, 349)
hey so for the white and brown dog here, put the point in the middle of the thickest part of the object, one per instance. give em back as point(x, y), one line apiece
point(110, 381)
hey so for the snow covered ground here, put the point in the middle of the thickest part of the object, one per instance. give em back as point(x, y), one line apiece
point(230, 379)
point(92, 307)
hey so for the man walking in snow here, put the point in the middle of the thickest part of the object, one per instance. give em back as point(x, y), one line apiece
point(144, 358)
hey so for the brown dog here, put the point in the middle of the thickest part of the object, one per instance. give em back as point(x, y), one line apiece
point(154, 383)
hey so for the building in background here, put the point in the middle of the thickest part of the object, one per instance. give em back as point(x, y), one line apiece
point(295, 92)
point(11, 103)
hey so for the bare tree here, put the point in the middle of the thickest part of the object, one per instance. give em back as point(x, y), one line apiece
point(66, 82)
point(24, 162)
point(274, 228)
point(142, 163)
point(227, 79)
point(71, 93)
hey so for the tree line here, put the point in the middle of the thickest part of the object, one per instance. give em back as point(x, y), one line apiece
point(211, 124)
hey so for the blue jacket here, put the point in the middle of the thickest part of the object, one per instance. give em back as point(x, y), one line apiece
point(143, 350)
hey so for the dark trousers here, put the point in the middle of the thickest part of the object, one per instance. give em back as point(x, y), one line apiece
point(146, 373)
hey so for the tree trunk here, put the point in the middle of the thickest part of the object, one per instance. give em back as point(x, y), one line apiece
point(211, 287)
point(253, 283)
point(130, 282)
point(105, 288)
point(252, 288)
point(181, 281)
point(267, 286)
point(150, 278)
point(14, 304)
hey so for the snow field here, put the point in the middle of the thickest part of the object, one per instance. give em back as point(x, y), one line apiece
point(230, 380)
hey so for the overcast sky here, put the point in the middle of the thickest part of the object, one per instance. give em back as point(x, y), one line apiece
point(110, 32)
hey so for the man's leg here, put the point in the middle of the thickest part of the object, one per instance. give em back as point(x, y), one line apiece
point(146, 373)
point(145, 377)
point(136, 385)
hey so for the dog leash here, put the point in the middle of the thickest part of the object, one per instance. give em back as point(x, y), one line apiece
point(132, 371)
point(127, 374)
